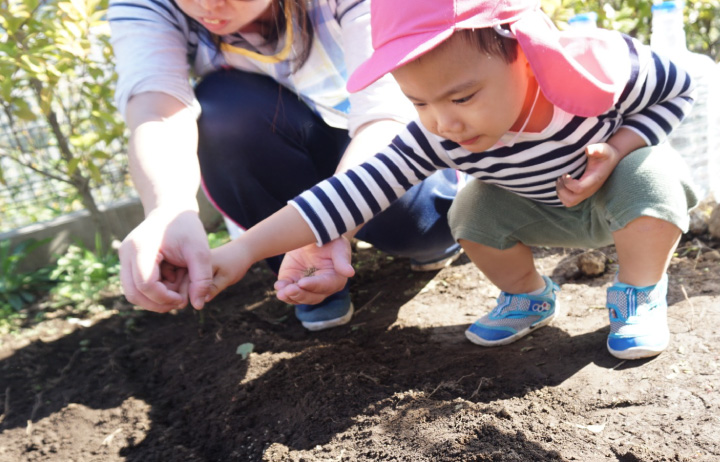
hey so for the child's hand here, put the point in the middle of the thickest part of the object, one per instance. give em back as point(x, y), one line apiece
point(602, 159)
point(229, 265)
point(310, 274)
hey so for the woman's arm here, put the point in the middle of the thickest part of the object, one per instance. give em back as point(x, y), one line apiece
point(163, 152)
point(166, 259)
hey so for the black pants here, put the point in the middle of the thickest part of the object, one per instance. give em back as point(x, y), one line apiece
point(261, 146)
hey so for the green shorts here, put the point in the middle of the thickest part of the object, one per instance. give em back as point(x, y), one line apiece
point(652, 182)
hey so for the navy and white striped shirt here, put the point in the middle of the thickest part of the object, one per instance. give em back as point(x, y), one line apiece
point(655, 100)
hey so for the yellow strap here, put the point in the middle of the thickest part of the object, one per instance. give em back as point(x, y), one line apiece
point(269, 59)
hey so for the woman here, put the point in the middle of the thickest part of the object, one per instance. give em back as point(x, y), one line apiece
point(269, 118)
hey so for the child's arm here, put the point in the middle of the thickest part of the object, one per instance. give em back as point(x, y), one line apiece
point(657, 98)
point(332, 207)
point(602, 160)
point(283, 231)
point(332, 260)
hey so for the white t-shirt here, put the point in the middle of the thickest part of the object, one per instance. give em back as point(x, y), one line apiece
point(158, 49)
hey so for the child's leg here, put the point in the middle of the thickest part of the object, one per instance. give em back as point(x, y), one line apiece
point(511, 270)
point(646, 200)
point(644, 248)
point(496, 228)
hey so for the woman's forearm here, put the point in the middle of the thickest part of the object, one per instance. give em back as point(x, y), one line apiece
point(163, 152)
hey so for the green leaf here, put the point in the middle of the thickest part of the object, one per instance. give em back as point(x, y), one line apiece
point(23, 110)
point(94, 172)
point(15, 301)
point(73, 165)
point(33, 64)
point(102, 155)
point(245, 349)
point(84, 140)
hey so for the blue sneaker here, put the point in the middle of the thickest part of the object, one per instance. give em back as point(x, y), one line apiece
point(335, 310)
point(638, 320)
point(515, 316)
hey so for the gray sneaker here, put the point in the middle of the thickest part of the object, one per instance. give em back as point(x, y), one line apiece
point(334, 311)
point(443, 262)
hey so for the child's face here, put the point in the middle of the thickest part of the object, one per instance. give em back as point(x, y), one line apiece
point(227, 16)
point(467, 96)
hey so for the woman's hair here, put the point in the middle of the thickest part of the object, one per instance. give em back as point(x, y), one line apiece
point(488, 41)
point(300, 16)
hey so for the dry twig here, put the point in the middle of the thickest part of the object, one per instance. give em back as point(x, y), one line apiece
point(477, 390)
point(368, 303)
point(692, 307)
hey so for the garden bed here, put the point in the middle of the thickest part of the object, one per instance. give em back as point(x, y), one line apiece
point(399, 383)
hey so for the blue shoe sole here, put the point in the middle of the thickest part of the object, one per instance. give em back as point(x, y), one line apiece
point(638, 351)
point(477, 340)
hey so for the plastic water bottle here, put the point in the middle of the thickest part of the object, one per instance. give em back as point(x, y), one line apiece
point(697, 139)
point(584, 20)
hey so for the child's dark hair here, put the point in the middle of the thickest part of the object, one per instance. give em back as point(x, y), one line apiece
point(488, 41)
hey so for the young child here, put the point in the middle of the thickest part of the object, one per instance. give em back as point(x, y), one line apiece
point(562, 133)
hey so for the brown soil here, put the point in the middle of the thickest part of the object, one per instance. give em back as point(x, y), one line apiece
point(399, 383)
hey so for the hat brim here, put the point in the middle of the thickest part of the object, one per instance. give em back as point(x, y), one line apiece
point(393, 55)
point(583, 73)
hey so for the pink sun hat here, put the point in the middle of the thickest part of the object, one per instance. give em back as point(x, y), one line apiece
point(582, 72)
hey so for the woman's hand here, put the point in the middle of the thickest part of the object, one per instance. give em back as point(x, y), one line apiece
point(165, 261)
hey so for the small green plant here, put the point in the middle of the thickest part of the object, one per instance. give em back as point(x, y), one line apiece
point(85, 276)
point(245, 349)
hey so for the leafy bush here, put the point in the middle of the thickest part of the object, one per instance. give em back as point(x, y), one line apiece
point(84, 277)
point(218, 238)
point(18, 289)
point(56, 95)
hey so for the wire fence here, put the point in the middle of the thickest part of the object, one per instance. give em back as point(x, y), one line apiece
point(29, 197)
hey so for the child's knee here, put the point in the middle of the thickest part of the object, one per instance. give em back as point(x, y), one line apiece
point(650, 225)
point(650, 182)
point(477, 205)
